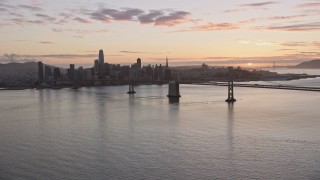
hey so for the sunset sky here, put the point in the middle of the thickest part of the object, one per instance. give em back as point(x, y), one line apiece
point(187, 31)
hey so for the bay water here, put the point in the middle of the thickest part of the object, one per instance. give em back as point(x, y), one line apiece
point(104, 133)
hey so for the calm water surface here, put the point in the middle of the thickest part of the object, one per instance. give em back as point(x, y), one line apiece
point(103, 133)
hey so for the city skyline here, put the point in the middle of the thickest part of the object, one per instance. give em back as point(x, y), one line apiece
point(233, 32)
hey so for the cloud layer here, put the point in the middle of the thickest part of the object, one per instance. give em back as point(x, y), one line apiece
point(16, 15)
point(251, 6)
point(294, 27)
point(155, 17)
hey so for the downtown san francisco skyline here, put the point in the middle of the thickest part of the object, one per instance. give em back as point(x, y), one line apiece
point(188, 32)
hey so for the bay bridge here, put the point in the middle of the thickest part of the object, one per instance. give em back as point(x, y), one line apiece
point(173, 91)
point(285, 87)
point(231, 84)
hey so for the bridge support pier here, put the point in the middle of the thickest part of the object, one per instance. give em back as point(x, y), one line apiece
point(173, 91)
point(131, 88)
point(231, 98)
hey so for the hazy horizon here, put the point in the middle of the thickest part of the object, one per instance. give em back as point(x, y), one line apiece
point(242, 63)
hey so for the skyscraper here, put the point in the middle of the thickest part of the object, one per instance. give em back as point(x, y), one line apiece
point(56, 73)
point(101, 64)
point(47, 73)
point(96, 66)
point(167, 63)
point(40, 71)
point(156, 73)
point(139, 63)
point(72, 72)
point(167, 71)
point(167, 74)
point(101, 58)
point(160, 74)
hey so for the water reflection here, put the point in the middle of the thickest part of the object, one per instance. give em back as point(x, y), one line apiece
point(131, 99)
point(230, 136)
point(230, 125)
point(41, 102)
point(101, 108)
point(174, 100)
point(131, 117)
point(99, 133)
point(101, 111)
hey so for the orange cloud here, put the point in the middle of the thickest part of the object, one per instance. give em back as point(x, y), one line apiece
point(211, 27)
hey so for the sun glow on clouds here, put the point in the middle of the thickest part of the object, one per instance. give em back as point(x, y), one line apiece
point(234, 30)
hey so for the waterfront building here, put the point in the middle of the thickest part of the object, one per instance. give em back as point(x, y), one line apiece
point(139, 63)
point(87, 74)
point(101, 57)
point(80, 73)
point(106, 69)
point(167, 71)
point(160, 73)
point(56, 73)
point(167, 74)
point(149, 71)
point(101, 64)
point(47, 73)
point(72, 72)
point(133, 75)
point(96, 66)
point(155, 73)
point(167, 63)
point(40, 71)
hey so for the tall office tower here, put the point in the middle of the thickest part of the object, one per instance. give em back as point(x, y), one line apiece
point(167, 63)
point(101, 63)
point(160, 73)
point(72, 72)
point(106, 69)
point(47, 73)
point(155, 73)
point(139, 63)
point(167, 74)
point(87, 74)
point(40, 71)
point(96, 66)
point(167, 71)
point(56, 73)
point(79, 73)
point(101, 57)
point(149, 71)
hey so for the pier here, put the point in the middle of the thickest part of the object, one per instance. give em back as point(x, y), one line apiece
point(131, 88)
point(174, 91)
point(231, 98)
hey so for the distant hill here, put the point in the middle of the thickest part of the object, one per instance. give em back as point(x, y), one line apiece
point(314, 64)
point(18, 68)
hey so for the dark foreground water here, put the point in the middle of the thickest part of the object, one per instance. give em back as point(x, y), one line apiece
point(103, 133)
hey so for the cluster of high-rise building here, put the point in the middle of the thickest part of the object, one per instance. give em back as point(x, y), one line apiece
point(48, 73)
point(103, 73)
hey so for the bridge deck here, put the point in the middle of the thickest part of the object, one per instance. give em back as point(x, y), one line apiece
point(286, 87)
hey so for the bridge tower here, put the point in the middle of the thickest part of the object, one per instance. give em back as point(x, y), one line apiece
point(131, 88)
point(231, 98)
point(173, 91)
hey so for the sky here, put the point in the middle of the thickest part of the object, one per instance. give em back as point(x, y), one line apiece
point(219, 32)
